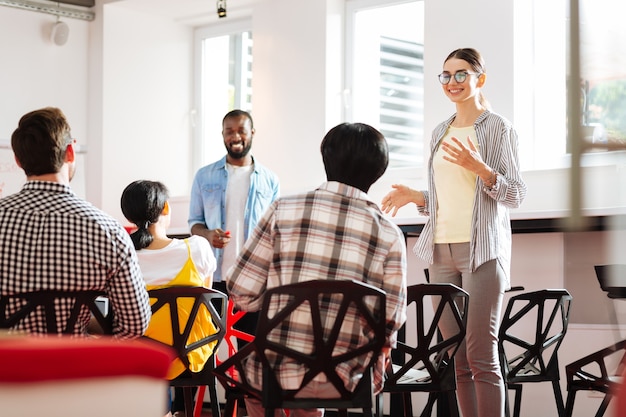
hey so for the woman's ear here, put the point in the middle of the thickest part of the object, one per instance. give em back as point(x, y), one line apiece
point(481, 80)
point(166, 208)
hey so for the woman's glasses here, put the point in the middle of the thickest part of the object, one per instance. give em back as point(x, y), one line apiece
point(459, 76)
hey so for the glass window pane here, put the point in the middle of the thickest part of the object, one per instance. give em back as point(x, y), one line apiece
point(226, 84)
point(603, 71)
point(388, 77)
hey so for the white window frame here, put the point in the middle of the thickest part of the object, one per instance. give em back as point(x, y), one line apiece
point(352, 7)
point(213, 128)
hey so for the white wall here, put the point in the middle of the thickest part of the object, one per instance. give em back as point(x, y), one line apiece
point(37, 73)
point(125, 84)
point(146, 88)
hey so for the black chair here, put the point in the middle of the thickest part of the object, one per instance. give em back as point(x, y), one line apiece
point(203, 299)
point(310, 299)
point(41, 309)
point(531, 332)
point(426, 364)
point(608, 276)
point(600, 371)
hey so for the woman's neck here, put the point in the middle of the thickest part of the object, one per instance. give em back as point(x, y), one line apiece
point(466, 114)
point(159, 237)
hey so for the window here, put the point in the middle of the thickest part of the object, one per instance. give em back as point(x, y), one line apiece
point(224, 77)
point(603, 71)
point(541, 71)
point(385, 74)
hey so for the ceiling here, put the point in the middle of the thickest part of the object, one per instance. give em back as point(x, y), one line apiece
point(189, 12)
point(604, 59)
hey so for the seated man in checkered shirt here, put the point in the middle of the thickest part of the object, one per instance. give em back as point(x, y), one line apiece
point(50, 239)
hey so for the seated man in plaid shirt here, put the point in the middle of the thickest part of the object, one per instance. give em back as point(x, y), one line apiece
point(334, 232)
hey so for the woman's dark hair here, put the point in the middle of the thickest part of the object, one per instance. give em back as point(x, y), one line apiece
point(355, 154)
point(476, 61)
point(142, 203)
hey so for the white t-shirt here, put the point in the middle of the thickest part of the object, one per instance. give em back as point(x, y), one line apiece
point(237, 192)
point(160, 266)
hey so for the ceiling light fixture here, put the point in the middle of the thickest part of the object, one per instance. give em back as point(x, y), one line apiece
point(221, 8)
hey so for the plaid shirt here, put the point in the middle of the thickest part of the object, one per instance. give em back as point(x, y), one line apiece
point(335, 232)
point(51, 239)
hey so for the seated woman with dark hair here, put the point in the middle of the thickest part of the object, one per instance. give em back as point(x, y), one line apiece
point(165, 262)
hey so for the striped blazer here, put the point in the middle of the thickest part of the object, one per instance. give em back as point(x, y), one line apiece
point(491, 227)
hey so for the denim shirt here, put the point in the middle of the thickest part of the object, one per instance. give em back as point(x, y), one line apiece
point(208, 200)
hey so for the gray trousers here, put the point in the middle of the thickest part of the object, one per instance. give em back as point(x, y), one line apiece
point(480, 385)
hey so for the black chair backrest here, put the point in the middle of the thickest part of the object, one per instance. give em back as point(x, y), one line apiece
point(425, 356)
point(612, 279)
point(531, 332)
point(17, 311)
point(309, 299)
point(204, 299)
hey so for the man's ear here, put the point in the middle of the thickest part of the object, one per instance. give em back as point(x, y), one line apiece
point(166, 209)
point(17, 162)
point(69, 153)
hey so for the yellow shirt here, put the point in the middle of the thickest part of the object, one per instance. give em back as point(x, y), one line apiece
point(160, 327)
point(455, 187)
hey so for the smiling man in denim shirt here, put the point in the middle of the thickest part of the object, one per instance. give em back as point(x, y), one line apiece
point(229, 196)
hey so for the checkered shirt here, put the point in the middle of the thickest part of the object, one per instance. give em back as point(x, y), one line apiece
point(51, 239)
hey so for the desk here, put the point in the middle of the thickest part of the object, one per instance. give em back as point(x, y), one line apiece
point(537, 222)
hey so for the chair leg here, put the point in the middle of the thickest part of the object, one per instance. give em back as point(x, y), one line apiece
point(188, 398)
point(232, 403)
point(517, 405)
point(558, 397)
point(407, 404)
point(603, 406)
point(569, 405)
point(428, 408)
point(215, 405)
point(453, 404)
point(507, 402)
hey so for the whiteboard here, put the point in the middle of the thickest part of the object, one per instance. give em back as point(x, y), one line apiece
point(12, 177)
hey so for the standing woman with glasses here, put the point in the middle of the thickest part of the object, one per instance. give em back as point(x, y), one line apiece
point(473, 179)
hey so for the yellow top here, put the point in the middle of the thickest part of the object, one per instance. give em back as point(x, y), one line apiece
point(160, 327)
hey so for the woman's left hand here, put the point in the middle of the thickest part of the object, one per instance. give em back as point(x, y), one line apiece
point(464, 156)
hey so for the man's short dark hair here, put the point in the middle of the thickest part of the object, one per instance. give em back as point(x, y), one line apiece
point(355, 154)
point(238, 113)
point(40, 141)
